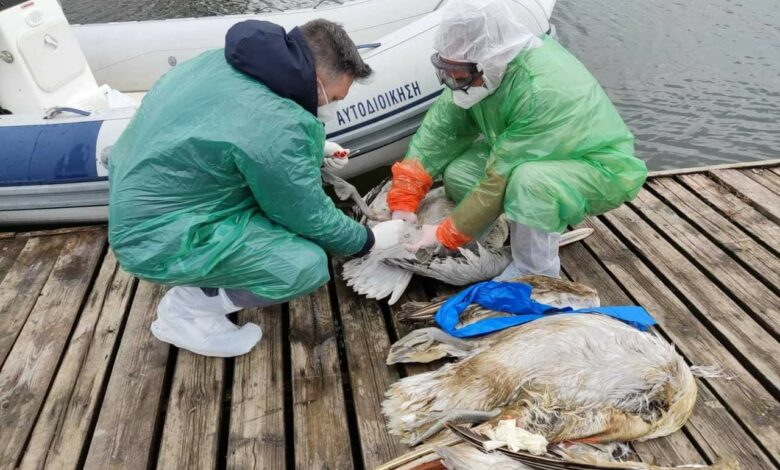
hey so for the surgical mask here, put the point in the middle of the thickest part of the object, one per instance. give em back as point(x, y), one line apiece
point(326, 112)
point(467, 99)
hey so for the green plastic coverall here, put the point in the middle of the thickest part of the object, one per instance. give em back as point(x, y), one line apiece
point(216, 182)
point(554, 150)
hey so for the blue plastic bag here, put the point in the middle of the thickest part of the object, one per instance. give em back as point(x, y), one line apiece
point(515, 298)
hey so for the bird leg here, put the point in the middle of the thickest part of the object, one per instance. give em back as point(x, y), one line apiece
point(346, 191)
point(441, 419)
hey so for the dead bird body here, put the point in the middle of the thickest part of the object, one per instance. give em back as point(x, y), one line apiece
point(385, 273)
point(388, 272)
point(564, 377)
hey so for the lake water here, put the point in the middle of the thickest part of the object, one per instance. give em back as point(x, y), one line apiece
point(697, 81)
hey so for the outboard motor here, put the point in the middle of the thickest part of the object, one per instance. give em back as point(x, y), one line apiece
point(41, 64)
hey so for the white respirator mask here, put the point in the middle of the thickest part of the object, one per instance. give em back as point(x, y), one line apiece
point(468, 98)
point(326, 112)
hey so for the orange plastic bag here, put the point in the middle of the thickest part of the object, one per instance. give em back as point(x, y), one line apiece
point(410, 185)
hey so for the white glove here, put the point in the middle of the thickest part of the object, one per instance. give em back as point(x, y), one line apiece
point(334, 163)
point(332, 149)
point(410, 217)
point(336, 157)
point(387, 234)
point(428, 239)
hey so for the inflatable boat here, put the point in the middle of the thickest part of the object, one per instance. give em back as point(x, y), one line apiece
point(67, 92)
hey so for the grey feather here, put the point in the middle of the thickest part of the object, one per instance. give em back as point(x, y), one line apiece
point(388, 272)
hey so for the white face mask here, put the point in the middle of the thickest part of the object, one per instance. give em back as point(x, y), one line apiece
point(326, 112)
point(466, 100)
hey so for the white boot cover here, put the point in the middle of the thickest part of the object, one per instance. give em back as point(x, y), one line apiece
point(189, 319)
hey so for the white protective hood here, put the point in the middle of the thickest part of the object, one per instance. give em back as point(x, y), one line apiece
point(485, 32)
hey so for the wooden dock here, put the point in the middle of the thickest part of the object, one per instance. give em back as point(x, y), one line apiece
point(84, 384)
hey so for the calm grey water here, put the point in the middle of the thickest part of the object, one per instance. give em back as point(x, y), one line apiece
point(698, 81)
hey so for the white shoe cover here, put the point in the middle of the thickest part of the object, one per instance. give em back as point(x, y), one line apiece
point(189, 319)
point(533, 252)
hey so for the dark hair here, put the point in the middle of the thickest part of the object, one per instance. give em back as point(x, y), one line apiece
point(333, 50)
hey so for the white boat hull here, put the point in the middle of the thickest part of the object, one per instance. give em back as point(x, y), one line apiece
point(376, 120)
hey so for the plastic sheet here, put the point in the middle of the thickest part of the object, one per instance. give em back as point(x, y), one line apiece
point(216, 183)
point(410, 185)
point(557, 148)
point(515, 298)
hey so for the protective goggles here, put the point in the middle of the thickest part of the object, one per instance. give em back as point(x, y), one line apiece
point(455, 76)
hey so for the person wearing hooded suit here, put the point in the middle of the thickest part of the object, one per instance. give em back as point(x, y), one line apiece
point(522, 129)
point(215, 186)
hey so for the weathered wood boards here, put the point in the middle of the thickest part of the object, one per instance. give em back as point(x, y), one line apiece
point(746, 397)
point(367, 345)
point(759, 196)
point(736, 209)
point(677, 449)
point(53, 305)
point(63, 427)
point(761, 262)
point(745, 337)
point(257, 436)
point(191, 429)
point(319, 412)
point(124, 436)
point(84, 384)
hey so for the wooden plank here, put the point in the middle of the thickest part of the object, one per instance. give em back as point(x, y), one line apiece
point(719, 312)
point(367, 345)
point(730, 275)
point(738, 211)
point(32, 363)
point(720, 436)
point(673, 450)
point(125, 428)
point(62, 429)
point(721, 166)
point(21, 286)
point(61, 231)
point(582, 267)
point(763, 199)
point(9, 250)
point(190, 433)
point(257, 438)
point(753, 405)
point(319, 413)
point(765, 177)
point(728, 236)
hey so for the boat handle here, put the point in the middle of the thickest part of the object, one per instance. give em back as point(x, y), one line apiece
point(52, 112)
point(370, 45)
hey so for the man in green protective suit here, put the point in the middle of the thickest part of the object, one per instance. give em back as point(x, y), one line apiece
point(521, 128)
point(215, 186)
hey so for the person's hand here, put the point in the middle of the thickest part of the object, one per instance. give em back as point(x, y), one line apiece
point(334, 163)
point(428, 239)
point(336, 157)
point(334, 150)
point(387, 234)
point(409, 217)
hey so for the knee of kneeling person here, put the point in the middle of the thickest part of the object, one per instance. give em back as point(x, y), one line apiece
point(456, 181)
point(313, 265)
point(531, 180)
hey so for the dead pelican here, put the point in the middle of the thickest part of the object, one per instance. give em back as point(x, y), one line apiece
point(583, 377)
point(388, 272)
